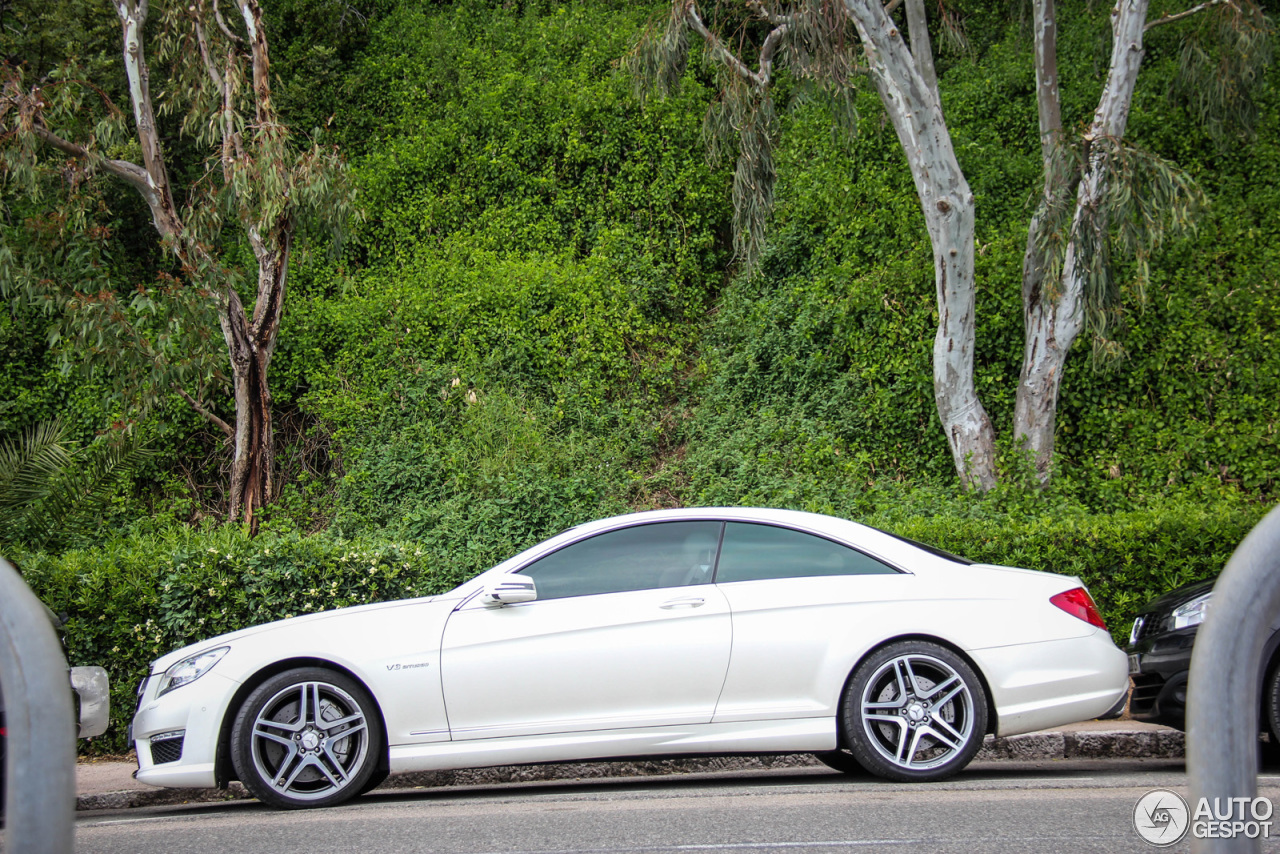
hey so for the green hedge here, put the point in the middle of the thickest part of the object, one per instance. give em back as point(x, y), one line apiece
point(136, 599)
point(133, 600)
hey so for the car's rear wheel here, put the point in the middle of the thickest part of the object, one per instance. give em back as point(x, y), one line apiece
point(306, 738)
point(914, 711)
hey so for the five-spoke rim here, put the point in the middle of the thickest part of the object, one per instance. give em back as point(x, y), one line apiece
point(309, 740)
point(917, 711)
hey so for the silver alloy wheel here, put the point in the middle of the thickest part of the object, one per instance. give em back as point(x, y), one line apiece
point(917, 711)
point(309, 740)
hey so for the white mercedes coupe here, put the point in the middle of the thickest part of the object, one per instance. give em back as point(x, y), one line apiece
point(672, 632)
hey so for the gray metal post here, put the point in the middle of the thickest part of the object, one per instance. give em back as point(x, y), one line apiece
point(40, 775)
point(1222, 697)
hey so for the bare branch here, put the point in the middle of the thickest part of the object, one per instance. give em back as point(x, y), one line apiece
point(759, 78)
point(1048, 96)
point(1178, 16)
point(767, 50)
point(157, 192)
point(764, 13)
point(234, 138)
point(921, 49)
point(130, 172)
point(891, 6)
point(222, 25)
point(209, 416)
point(252, 14)
point(203, 42)
point(737, 65)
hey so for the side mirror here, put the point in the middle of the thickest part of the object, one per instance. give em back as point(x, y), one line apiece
point(510, 590)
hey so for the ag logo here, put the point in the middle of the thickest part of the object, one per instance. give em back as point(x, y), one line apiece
point(1161, 817)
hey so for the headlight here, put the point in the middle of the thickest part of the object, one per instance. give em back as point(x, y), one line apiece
point(1192, 613)
point(190, 669)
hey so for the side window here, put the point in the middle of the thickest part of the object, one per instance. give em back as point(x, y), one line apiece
point(663, 554)
point(753, 552)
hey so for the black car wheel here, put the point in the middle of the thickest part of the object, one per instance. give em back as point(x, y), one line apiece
point(914, 711)
point(306, 738)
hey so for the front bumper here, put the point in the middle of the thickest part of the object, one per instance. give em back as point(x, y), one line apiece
point(1160, 685)
point(176, 736)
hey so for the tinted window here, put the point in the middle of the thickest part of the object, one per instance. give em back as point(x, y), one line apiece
point(933, 550)
point(666, 554)
point(751, 552)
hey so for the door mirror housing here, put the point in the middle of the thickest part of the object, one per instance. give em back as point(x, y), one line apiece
point(509, 590)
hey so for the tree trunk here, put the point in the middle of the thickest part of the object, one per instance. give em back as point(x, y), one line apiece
point(1053, 313)
point(251, 461)
point(251, 346)
point(911, 100)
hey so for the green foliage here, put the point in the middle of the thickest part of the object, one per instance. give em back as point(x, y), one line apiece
point(1144, 201)
point(1125, 558)
point(827, 349)
point(474, 473)
point(52, 492)
point(1223, 65)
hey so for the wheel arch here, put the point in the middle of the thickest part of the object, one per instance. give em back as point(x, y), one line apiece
point(224, 769)
point(927, 638)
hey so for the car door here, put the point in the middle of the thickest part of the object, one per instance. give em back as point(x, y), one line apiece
point(626, 631)
point(802, 607)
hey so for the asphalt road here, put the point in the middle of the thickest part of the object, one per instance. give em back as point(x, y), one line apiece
point(1071, 806)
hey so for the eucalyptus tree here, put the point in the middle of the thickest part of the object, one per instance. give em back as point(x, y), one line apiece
point(248, 193)
point(1100, 198)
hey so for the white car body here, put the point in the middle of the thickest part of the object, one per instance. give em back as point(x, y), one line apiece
point(742, 667)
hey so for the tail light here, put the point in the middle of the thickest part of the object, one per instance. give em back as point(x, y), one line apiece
point(1078, 603)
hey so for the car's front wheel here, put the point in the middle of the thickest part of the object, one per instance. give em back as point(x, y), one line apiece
point(306, 738)
point(914, 711)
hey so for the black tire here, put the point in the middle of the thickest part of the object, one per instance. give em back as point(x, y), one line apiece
point(307, 737)
point(915, 712)
point(1271, 706)
point(375, 780)
point(842, 761)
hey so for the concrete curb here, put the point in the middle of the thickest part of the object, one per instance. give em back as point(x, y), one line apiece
point(1092, 744)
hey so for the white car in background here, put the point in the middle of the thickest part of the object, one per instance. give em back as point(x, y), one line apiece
point(696, 631)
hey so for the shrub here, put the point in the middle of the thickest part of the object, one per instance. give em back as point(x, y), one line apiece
point(133, 600)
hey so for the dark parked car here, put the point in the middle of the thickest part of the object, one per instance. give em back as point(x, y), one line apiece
point(1160, 660)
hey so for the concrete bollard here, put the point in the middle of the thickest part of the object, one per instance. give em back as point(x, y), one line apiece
point(40, 792)
point(1223, 692)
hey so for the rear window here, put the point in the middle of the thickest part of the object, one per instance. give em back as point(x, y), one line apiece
point(754, 552)
point(933, 550)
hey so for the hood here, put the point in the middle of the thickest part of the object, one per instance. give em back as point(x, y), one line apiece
point(1165, 604)
point(164, 662)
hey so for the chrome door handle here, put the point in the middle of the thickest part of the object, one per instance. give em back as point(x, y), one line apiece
point(686, 602)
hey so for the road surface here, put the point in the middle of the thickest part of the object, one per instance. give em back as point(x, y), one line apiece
point(1066, 805)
